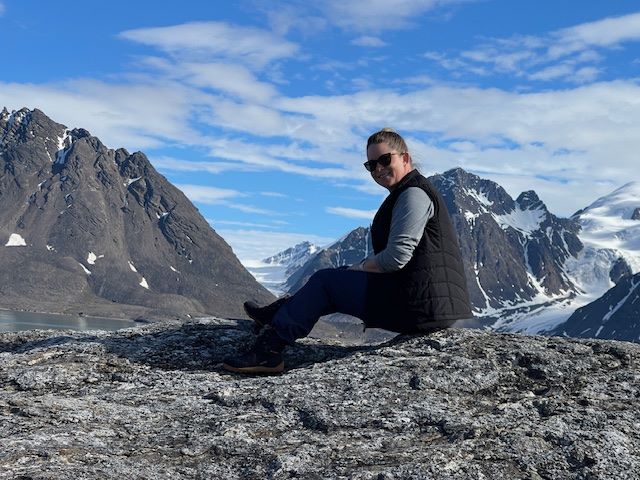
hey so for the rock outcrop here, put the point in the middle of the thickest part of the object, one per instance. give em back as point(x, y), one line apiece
point(87, 228)
point(152, 402)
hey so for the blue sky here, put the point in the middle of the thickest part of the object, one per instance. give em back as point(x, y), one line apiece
point(259, 110)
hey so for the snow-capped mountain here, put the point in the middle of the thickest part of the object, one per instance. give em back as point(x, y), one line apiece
point(527, 269)
point(610, 232)
point(272, 272)
point(85, 227)
point(615, 315)
point(348, 250)
point(292, 258)
point(514, 250)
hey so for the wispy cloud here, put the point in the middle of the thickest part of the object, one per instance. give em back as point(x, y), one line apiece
point(233, 79)
point(222, 196)
point(368, 41)
point(205, 41)
point(165, 163)
point(609, 32)
point(2, 9)
point(351, 212)
point(208, 195)
point(273, 194)
point(569, 54)
point(379, 15)
point(235, 223)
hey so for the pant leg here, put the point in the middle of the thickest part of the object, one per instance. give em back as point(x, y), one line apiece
point(327, 291)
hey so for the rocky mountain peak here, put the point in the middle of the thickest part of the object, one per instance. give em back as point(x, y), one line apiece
point(529, 200)
point(106, 230)
point(473, 194)
point(636, 214)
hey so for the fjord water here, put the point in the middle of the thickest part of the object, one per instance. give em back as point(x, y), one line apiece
point(20, 321)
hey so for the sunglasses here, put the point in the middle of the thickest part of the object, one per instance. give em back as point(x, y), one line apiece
point(384, 160)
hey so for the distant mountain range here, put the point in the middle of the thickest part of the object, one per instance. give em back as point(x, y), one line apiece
point(87, 228)
point(528, 270)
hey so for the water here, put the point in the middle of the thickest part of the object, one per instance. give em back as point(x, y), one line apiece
point(20, 321)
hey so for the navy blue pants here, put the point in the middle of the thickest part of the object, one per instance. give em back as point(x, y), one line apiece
point(333, 290)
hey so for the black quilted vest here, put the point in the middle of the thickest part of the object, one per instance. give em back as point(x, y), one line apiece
point(430, 290)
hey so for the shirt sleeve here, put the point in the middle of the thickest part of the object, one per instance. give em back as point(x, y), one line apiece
point(410, 215)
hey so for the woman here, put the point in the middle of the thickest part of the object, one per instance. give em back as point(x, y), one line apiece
point(413, 282)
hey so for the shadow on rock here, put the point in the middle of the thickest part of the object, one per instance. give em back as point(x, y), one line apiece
point(191, 346)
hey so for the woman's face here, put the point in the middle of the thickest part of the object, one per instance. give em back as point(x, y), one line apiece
point(390, 175)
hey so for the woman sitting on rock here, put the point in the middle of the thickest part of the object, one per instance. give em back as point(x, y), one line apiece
point(413, 282)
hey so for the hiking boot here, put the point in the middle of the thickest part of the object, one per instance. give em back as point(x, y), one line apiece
point(263, 315)
point(264, 357)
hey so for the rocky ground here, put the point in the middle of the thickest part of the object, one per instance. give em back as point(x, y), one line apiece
point(152, 403)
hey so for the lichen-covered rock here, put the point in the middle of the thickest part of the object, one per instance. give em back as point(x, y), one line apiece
point(152, 402)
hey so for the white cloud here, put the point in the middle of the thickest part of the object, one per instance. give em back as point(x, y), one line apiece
point(351, 212)
point(260, 156)
point(293, 17)
point(368, 41)
point(273, 194)
point(253, 210)
point(378, 15)
point(181, 165)
point(2, 9)
point(607, 32)
point(136, 115)
point(235, 223)
point(208, 195)
point(568, 53)
point(222, 196)
point(210, 40)
point(233, 79)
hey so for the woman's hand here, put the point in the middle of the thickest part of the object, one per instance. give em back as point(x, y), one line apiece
point(367, 265)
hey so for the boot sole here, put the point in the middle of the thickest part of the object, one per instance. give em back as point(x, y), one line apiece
point(255, 369)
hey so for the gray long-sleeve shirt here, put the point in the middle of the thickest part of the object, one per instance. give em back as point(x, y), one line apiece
point(410, 214)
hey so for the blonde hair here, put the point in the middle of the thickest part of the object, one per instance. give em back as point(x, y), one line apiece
point(391, 137)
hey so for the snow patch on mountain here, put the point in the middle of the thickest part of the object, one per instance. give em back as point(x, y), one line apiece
point(16, 240)
point(621, 303)
point(64, 144)
point(480, 197)
point(607, 224)
point(525, 221)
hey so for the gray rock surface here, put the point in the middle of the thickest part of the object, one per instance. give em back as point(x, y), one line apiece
point(151, 402)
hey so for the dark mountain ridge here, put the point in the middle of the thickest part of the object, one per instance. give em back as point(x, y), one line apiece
point(615, 315)
point(104, 232)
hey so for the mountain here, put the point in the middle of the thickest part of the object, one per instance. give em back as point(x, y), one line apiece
point(610, 232)
point(615, 315)
point(513, 250)
point(87, 228)
point(292, 258)
point(152, 403)
point(527, 269)
point(348, 250)
point(604, 270)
